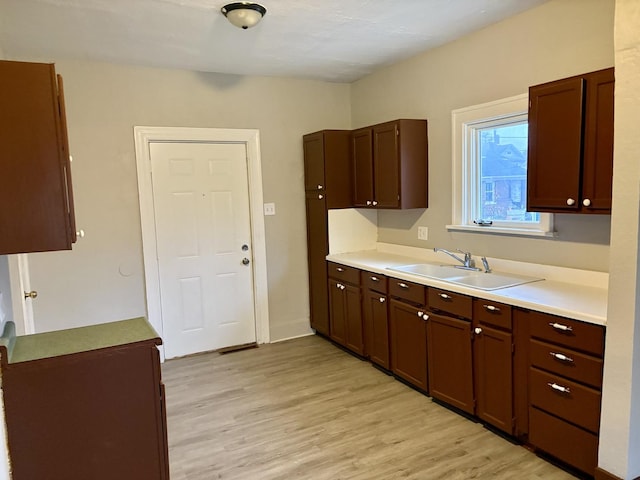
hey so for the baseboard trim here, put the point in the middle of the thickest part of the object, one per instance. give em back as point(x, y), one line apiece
point(601, 474)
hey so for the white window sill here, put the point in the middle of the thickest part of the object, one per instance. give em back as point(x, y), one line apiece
point(493, 230)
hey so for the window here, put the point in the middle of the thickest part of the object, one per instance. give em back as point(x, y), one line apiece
point(490, 170)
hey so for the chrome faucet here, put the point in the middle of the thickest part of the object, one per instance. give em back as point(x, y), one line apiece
point(467, 262)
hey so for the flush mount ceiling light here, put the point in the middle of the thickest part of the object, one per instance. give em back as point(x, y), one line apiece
point(243, 14)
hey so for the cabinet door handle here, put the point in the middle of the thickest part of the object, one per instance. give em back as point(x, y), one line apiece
point(559, 388)
point(571, 201)
point(403, 285)
point(586, 202)
point(320, 197)
point(374, 203)
point(561, 327)
point(320, 187)
point(368, 202)
point(374, 279)
point(382, 299)
point(561, 357)
point(340, 286)
point(477, 330)
point(339, 269)
point(491, 308)
point(444, 296)
point(420, 314)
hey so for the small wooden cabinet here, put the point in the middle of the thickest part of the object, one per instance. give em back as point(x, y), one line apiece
point(449, 348)
point(408, 332)
point(345, 311)
point(85, 403)
point(565, 360)
point(376, 318)
point(327, 178)
point(570, 159)
point(390, 165)
point(493, 364)
point(35, 184)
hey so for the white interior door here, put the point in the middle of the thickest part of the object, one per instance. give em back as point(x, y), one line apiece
point(22, 296)
point(203, 241)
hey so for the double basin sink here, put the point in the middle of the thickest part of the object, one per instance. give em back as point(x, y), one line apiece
point(468, 278)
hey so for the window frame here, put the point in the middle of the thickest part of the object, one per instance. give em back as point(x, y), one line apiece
point(466, 122)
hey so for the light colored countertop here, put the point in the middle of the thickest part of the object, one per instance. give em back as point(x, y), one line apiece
point(82, 339)
point(575, 294)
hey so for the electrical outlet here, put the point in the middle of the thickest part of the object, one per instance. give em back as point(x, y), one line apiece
point(269, 208)
point(423, 233)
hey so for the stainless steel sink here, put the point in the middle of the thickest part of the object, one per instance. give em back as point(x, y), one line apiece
point(468, 278)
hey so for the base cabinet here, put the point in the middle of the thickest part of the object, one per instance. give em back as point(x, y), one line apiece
point(91, 408)
point(345, 310)
point(376, 321)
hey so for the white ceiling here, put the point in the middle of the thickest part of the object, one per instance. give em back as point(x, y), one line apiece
point(334, 40)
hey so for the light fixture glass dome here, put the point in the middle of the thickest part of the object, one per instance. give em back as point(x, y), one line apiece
point(243, 14)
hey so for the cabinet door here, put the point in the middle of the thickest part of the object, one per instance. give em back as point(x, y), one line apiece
point(35, 186)
point(494, 377)
point(317, 250)
point(374, 306)
point(353, 319)
point(450, 361)
point(408, 343)
point(598, 143)
point(362, 160)
point(313, 146)
point(555, 146)
point(337, 309)
point(386, 165)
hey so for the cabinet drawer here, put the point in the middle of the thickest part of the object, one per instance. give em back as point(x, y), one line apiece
point(412, 292)
point(492, 313)
point(374, 281)
point(344, 273)
point(579, 405)
point(570, 333)
point(563, 440)
point(568, 363)
point(453, 303)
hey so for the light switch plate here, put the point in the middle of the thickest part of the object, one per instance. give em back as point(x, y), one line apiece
point(269, 208)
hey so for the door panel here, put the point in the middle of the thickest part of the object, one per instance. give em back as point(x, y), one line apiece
point(201, 203)
point(386, 165)
point(362, 154)
point(408, 343)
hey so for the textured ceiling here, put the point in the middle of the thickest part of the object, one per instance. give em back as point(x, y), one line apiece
point(335, 40)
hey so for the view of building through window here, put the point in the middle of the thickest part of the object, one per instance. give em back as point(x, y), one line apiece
point(503, 173)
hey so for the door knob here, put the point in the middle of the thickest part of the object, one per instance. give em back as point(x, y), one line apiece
point(32, 294)
point(245, 247)
point(245, 261)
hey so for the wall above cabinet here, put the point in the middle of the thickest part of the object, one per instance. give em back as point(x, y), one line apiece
point(35, 184)
point(570, 163)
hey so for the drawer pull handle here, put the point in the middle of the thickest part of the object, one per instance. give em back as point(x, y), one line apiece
point(559, 388)
point(561, 357)
point(374, 279)
point(561, 327)
point(491, 308)
point(339, 269)
point(382, 299)
point(403, 285)
point(444, 296)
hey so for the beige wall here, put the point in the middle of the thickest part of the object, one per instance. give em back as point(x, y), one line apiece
point(102, 278)
point(620, 425)
point(558, 39)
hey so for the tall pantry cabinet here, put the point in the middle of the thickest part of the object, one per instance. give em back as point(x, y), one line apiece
point(327, 181)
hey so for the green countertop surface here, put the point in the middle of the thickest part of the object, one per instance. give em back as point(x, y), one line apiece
point(82, 339)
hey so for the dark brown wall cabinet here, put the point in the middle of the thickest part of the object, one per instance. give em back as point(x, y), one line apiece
point(345, 310)
point(327, 179)
point(376, 318)
point(407, 314)
point(450, 358)
point(390, 165)
point(35, 183)
point(570, 164)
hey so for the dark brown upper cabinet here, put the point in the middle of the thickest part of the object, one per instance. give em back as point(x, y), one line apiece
point(570, 164)
point(35, 185)
point(327, 166)
point(390, 165)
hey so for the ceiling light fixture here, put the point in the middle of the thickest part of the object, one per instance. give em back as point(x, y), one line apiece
point(243, 14)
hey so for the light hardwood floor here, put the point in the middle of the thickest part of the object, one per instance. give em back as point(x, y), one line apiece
point(304, 409)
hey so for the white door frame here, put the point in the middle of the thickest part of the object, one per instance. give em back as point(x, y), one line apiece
point(251, 139)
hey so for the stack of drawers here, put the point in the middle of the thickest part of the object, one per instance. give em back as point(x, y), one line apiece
point(565, 383)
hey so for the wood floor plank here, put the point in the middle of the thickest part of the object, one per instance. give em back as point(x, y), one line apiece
point(304, 409)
